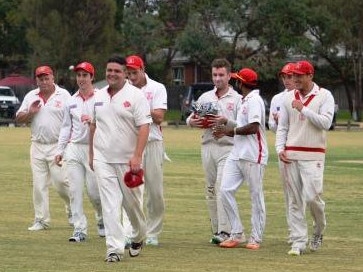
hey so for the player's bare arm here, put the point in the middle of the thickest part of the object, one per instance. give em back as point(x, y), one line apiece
point(92, 129)
point(222, 130)
point(158, 115)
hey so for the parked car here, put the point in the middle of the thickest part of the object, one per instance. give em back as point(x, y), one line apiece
point(9, 103)
point(191, 95)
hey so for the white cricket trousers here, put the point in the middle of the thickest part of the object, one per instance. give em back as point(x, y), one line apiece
point(284, 182)
point(305, 187)
point(154, 187)
point(46, 172)
point(234, 174)
point(114, 195)
point(79, 173)
point(214, 157)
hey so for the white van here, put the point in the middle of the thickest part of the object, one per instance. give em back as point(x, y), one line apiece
point(9, 103)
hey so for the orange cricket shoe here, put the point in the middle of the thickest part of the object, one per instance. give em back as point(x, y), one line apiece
point(234, 240)
point(252, 244)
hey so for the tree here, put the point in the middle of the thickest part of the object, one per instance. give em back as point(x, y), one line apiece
point(62, 33)
point(150, 29)
point(337, 30)
point(13, 48)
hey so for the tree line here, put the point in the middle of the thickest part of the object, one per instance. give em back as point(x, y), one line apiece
point(263, 34)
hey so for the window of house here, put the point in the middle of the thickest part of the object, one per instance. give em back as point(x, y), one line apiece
point(178, 75)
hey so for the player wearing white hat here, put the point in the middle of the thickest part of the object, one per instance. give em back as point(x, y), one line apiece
point(118, 135)
point(156, 95)
point(306, 114)
point(223, 99)
point(246, 162)
point(73, 148)
point(44, 108)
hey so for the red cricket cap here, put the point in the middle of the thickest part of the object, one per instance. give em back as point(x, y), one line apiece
point(303, 68)
point(134, 62)
point(132, 179)
point(247, 76)
point(43, 70)
point(86, 66)
point(288, 69)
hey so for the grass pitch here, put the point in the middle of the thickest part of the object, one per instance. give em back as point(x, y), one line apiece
point(184, 242)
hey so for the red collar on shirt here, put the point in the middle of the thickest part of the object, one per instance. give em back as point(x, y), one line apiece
point(297, 97)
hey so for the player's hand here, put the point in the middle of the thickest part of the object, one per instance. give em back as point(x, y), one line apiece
point(276, 117)
point(215, 120)
point(297, 104)
point(283, 157)
point(86, 119)
point(196, 121)
point(58, 160)
point(135, 164)
point(34, 107)
point(219, 131)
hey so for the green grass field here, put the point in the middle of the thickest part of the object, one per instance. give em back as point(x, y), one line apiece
point(184, 242)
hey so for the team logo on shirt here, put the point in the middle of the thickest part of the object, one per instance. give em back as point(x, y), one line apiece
point(100, 103)
point(58, 104)
point(230, 106)
point(149, 95)
point(73, 106)
point(127, 104)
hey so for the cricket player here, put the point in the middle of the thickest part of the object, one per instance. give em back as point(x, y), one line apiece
point(74, 150)
point(246, 162)
point(286, 76)
point(223, 99)
point(118, 135)
point(44, 109)
point(306, 114)
point(156, 95)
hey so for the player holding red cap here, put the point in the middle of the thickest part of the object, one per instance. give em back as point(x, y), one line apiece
point(73, 148)
point(246, 162)
point(305, 116)
point(119, 131)
point(44, 109)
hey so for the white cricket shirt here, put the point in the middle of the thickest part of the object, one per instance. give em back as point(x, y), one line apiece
point(117, 119)
point(73, 129)
point(251, 147)
point(46, 124)
point(156, 95)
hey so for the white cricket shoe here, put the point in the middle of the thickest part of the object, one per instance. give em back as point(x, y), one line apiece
point(152, 241)
point(38, 226)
